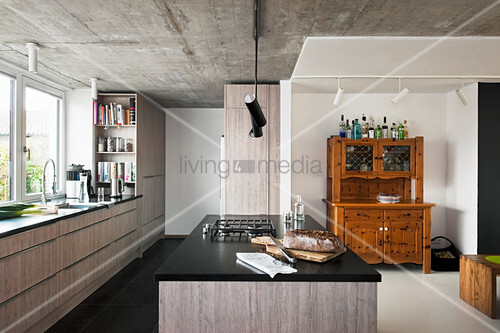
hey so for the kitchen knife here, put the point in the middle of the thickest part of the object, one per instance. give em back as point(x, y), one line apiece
point(291, 259)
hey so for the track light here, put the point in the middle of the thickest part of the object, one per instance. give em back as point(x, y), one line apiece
point(402, 93)
point(93, 84)
point(340, 93)
point(32, 57)
point(461, 95)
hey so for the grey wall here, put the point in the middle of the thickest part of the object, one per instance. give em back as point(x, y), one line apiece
point(193, 149)
point(488, 161)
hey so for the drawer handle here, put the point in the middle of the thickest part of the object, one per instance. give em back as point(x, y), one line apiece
point(381, 229)
point(386, 229)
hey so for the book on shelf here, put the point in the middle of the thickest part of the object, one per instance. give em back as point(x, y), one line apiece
point(111, 114)
point(120, 170)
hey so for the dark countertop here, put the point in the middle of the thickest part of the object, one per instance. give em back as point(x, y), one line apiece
point(12, 226)
point(206, 258)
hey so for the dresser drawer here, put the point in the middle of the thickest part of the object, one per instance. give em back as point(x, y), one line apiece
point(363, 214)
point(404, 215)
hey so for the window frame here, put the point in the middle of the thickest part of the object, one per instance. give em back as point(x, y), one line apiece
point(12, 139)
point(21, 134)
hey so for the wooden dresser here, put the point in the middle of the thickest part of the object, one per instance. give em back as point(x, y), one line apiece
point(359, 170)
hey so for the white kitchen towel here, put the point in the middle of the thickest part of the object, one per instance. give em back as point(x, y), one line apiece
point(265, 263)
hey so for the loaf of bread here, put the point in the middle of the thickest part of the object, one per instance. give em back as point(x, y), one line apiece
point(312, 240)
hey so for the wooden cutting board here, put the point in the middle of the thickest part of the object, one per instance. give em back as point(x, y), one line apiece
point(273, 250)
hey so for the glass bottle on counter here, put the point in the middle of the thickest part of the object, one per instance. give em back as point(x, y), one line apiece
point(405, 126)
point(385, 129)
point(342, 127)
point(298, 210)
point(348, 130)
point(401, 132)
point(356, 130)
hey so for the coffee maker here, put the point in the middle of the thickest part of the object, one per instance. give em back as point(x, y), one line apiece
point(73, 179)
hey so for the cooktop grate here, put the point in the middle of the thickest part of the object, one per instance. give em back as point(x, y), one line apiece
point(243, 227)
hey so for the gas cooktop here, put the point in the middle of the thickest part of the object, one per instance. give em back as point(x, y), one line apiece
point(242, 227)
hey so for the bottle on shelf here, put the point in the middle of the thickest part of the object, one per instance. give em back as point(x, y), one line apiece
point(364, 127)
point(394, 131)
point(401, 132)
point(348, 130)
point(406, 129)
point(378, 132)
point(385, 129)
point(342, 127)
point(298, 209)
point(371, 129)
point(356, 130)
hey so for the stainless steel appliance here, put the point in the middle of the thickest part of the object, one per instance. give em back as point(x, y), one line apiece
point(247, 227)
point(117, 187)
point(73, 181)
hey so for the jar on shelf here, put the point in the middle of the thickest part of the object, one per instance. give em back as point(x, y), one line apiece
point(101, 144)
point(129, 145)
point(111, 144)
point(120, 144)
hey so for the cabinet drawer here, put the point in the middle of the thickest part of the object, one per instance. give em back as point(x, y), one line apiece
point(363, 214)
point(22, 270)
point(401, 215)
point(26, 309)
point(24, 240)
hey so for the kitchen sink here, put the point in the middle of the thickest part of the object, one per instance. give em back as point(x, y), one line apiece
point(70, 205)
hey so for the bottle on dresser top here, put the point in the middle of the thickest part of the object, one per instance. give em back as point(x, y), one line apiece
point(342, 127)
point(364, 127)
point(348, 130)
point(356, 130)
point(385, 129)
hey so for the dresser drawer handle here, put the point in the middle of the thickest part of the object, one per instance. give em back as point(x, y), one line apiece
point(386, 229)
point(381, 229)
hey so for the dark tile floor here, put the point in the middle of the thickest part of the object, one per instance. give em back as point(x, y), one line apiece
point(128, 302)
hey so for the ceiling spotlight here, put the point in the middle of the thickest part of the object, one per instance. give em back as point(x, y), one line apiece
point(32, 57)
point(461, 95)
point(402, 93)
point(93, 84)
point(340, 93)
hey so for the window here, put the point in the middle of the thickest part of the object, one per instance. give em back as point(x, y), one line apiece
point(7, 98)
point(42, 128)
point(31, 132)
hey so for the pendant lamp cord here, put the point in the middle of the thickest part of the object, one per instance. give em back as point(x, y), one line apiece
point(256, 38)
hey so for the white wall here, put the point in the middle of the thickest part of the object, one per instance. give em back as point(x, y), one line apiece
point(193, 136)
point(314, 119)
point(462, 159)
point(79, 135)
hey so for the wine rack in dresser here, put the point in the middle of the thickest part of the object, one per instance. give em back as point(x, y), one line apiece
point(357, 172)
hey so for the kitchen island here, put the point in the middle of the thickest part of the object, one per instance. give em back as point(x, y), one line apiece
point(204, 288)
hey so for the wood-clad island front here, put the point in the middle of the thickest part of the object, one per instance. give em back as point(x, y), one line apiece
point(357, 172)
point(203, 288)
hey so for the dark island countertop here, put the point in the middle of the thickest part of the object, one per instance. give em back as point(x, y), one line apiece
point(23, 223)
point(204, 258)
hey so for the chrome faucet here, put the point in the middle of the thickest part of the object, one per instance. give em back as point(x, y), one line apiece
point(54, 184)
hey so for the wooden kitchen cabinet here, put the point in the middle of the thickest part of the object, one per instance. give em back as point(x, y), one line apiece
point(357, 171)
point(252, 184)
point(148, 155)
point(48, 271)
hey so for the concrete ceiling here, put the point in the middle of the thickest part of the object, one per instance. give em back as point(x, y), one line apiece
point(180, 53)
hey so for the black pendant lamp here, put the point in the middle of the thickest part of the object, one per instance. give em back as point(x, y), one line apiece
point(258, 118)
